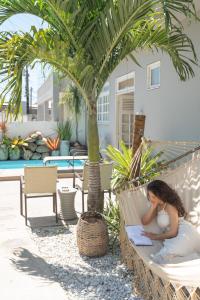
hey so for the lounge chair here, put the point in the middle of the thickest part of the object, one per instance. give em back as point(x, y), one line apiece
point(82, 185)
point(178, 280)
point(38, 182)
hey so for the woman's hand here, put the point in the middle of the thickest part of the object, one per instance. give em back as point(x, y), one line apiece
point(151, 235)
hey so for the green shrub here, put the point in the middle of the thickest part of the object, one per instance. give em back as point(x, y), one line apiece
point(123, 161)
point(64, 131)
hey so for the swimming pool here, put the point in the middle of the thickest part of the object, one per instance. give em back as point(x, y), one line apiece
point(20, 164)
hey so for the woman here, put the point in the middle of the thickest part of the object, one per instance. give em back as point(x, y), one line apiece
point(179, 236)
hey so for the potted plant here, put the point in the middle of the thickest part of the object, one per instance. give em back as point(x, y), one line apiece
point(53, 145)
point(15, 146)
point(4, 147)
point(64, 131)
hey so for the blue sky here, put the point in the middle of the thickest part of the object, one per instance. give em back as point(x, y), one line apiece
point(24, 22)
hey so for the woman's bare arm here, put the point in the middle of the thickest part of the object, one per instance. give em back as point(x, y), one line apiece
point(149, 215)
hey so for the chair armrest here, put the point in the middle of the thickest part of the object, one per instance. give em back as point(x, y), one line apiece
point(78, 176)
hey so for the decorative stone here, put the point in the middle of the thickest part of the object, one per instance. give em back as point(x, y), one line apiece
point(32, 147)
point(42, 149)
point(97, 278)
point(40, 142)
point(36, 156)
point(44, 155)
point(36, 135)
point(27, 154)
point(30, 140)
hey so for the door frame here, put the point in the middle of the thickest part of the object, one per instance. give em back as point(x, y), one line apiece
point(118, 94)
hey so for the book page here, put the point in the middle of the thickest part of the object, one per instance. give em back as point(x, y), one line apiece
point(134, 233)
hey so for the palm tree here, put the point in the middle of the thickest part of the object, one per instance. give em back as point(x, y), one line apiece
point(85, 41)
point(73, 99)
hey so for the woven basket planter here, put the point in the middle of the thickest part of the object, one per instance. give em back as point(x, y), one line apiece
point(92, 235)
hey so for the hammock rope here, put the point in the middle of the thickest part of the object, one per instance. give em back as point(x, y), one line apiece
point(162, 166)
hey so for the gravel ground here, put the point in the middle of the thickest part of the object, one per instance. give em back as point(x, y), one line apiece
point(86, 278)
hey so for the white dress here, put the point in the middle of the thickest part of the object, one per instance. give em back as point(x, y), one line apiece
point(186, 242)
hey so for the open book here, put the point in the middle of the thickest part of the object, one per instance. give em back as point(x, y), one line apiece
point(134, 233)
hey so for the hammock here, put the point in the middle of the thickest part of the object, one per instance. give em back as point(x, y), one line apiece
point(182, 277)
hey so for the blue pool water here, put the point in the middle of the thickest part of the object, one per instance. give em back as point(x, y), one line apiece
point(20, 164)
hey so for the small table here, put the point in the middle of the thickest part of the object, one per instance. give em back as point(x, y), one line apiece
point(67, 196)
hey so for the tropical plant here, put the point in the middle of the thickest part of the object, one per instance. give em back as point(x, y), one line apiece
point(14, 146)
point(85, 41)
point(18, 142)
point(52, 144)
point(123, 162)
point(112, 216)
point(3, 127)
point(73, 99)
point(64, 131)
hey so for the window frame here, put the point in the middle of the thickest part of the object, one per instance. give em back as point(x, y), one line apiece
point(151, 67)
point(102, 104)
point(125, 77)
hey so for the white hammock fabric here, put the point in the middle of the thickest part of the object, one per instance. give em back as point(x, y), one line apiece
point(133, 204)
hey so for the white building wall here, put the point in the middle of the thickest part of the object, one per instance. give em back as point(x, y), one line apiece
point(172, 111)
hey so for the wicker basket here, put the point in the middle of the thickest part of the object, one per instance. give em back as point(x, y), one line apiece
point(92, 235)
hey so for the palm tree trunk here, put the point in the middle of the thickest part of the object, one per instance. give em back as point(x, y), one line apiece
point(95, 199)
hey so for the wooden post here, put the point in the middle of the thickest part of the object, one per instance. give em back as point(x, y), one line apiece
point(138, 131)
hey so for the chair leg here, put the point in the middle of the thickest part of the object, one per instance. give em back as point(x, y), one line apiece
point(55, 206)
point(83, 202)
point(109, 194)
point(54, 210)
point(74, 180)
point(25, 201)
point(21, 200)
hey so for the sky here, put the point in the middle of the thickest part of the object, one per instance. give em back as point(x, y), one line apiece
point(23, 22)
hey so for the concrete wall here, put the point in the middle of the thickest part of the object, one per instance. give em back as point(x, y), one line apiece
point(23, 129)
point(48, 92)
point(172, 111)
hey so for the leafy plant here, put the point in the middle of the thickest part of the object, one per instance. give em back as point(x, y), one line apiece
point(3, 127)
point(123, 165)
point(112, 217)
point(17, 142)
point(52, 144)
point(64, 130)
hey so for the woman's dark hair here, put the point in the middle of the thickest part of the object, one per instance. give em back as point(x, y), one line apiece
point(165, 193)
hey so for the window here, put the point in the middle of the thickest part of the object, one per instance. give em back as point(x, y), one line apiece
point(126, 83)
point(153, 75)
point(103, 105)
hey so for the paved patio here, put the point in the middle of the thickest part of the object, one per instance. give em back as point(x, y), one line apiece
point(24, 274)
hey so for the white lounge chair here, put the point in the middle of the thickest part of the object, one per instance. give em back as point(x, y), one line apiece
point(38, 182)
